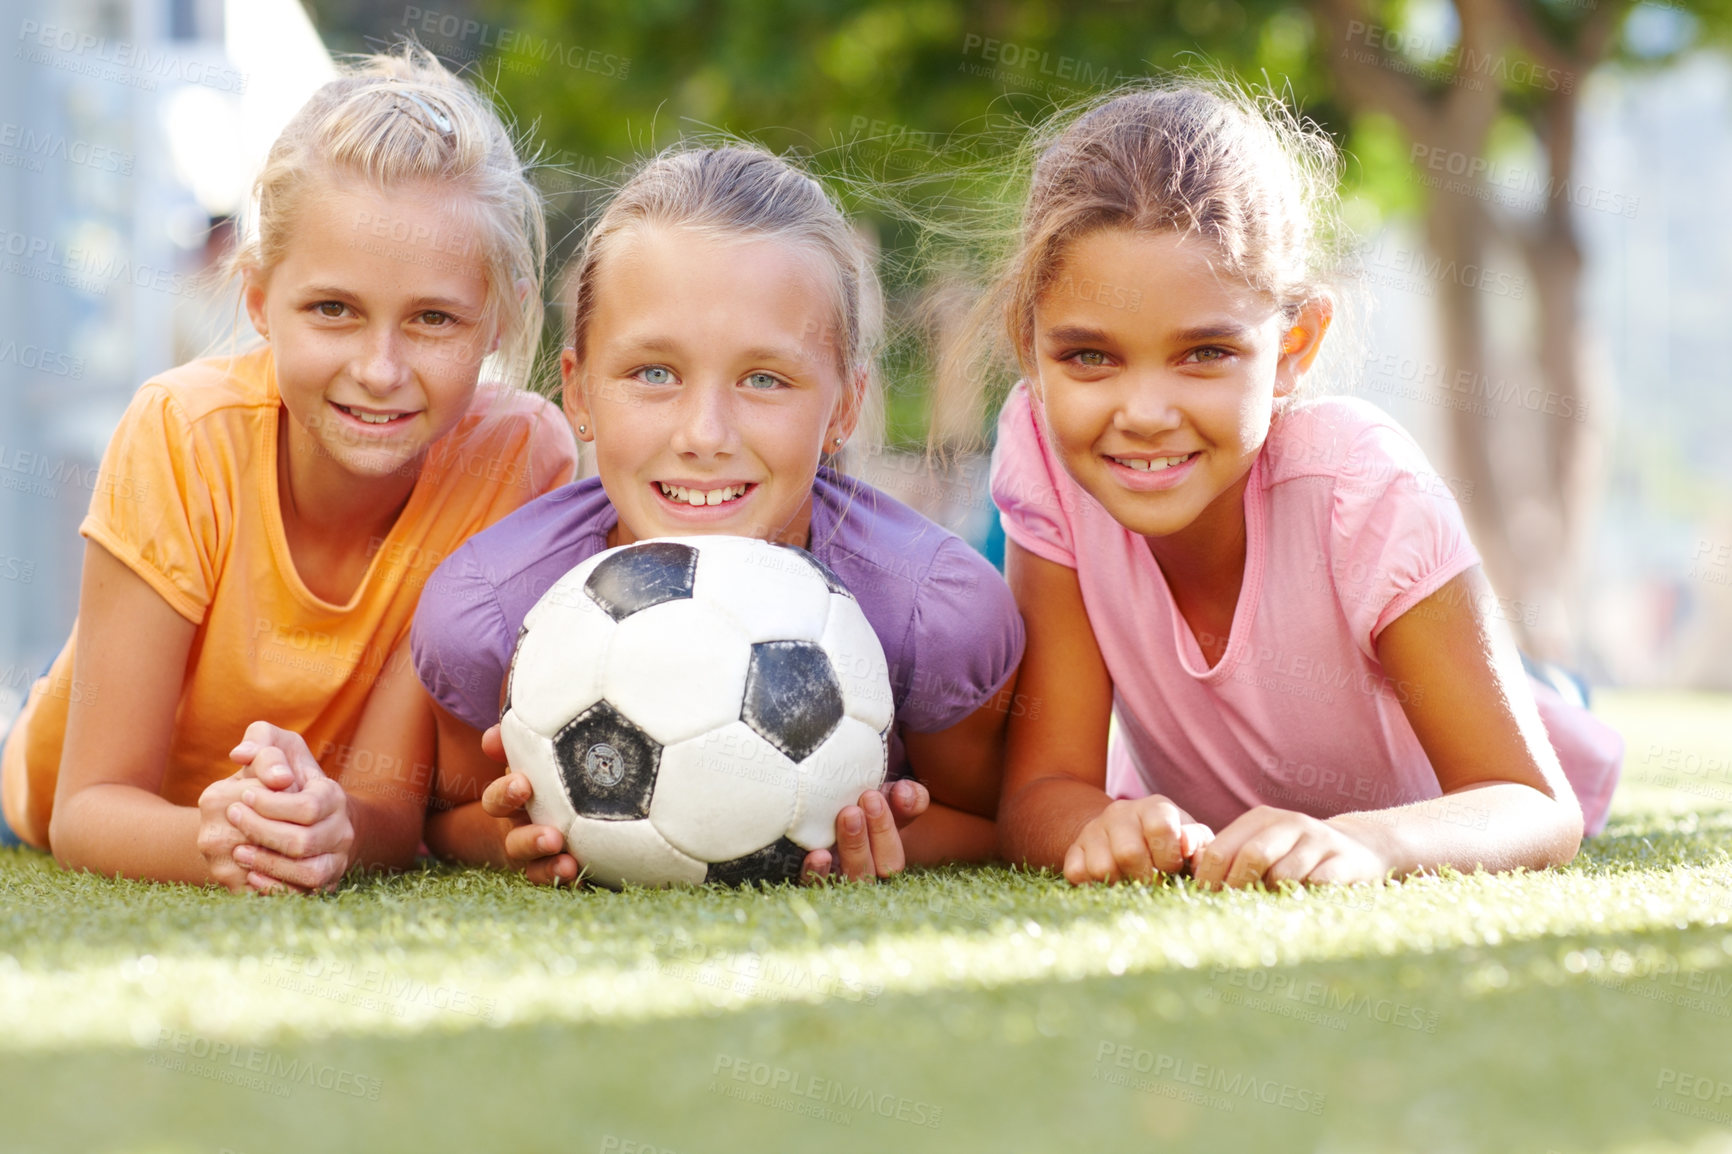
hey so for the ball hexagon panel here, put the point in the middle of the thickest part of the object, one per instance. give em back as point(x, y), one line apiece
point(843, 768)
point(792, 698)
point(723, 795)
point(613, 853)
point(779, 861)
point(531, 754)
point(565, 644)
point(858, 658)
point(632, 579)
point(678, 672)
point(770, 590)
point(607, 765)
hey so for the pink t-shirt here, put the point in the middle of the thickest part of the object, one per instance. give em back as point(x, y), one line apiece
point(1347, 528)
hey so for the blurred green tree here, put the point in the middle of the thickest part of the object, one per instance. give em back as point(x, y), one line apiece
point(926, 95)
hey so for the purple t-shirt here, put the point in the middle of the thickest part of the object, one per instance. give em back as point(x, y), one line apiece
point(950, 629)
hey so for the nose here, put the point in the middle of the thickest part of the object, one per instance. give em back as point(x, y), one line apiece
point(381, 366)
point(1148, 406)
point(706, 425)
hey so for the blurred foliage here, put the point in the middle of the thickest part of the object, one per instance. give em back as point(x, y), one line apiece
point(922, 102)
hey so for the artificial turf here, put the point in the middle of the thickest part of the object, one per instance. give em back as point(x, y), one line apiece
point(1582, 1009)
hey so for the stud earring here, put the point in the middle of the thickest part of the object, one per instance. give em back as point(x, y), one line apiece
point(582, 429)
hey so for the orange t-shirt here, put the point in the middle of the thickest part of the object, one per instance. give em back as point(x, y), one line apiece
point(187, 499)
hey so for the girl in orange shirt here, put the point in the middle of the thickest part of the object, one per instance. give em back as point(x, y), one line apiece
point(264, 522)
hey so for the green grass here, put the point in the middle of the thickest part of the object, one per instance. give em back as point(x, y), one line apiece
point(1576, 1010)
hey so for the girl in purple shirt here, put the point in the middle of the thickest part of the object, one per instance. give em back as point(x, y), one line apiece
point(721, 348)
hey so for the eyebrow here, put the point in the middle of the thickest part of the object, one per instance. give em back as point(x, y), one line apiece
point(1213, 331)
point(445, 304)
point(758, 353)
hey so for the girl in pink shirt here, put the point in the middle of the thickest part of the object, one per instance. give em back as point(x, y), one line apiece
point(1276, 596)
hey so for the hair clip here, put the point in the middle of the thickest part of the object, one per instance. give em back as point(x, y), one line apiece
point(441, 122)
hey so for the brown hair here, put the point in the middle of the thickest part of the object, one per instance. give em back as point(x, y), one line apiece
point(400, 118)
point(742, 190)
point(1200, 157)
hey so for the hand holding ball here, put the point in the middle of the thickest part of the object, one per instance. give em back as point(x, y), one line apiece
point(697, 709)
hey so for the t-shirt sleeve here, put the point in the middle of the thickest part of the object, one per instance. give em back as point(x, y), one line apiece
point(460, 642)
point(1396, 532)
point(967, 640)
point(156, 507)
point(1029, 484)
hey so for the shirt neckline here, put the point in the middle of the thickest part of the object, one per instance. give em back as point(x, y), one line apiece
point(1189, 653)
point(272, 510)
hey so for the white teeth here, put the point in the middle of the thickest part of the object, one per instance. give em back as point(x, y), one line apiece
point(370, 418)
point(1153, 466)
point(700, 497)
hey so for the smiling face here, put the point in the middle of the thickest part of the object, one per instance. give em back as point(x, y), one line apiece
point(377, 319)
point(1159, 379)
point(707, 384)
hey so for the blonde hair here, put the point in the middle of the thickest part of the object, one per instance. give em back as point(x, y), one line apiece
point(740, 190)
point(402, 118)
point(1198, 158)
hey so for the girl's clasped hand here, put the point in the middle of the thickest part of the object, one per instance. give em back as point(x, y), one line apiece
point(299, 493)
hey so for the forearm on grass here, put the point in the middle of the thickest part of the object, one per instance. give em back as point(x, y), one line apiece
point(467, 833)
point(114, 829)
point(1498, 826)
point(944, 834)
point(1040, 821)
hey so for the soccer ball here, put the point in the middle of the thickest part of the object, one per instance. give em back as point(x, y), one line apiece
point(697, 709)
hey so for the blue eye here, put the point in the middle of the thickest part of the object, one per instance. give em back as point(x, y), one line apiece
point(762, 381)
point(656, 375)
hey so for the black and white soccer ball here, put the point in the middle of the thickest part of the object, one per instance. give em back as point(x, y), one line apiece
point(697, 709)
